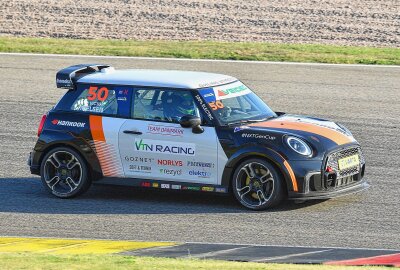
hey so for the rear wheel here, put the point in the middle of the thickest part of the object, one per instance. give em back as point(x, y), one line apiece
point(64, 173)
point(257, 185)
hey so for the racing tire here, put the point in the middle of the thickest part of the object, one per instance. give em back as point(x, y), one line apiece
point(257, 185)
point(64, 173)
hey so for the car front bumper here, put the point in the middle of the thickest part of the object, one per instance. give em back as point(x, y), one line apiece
point(327, 194)
point(324, 179)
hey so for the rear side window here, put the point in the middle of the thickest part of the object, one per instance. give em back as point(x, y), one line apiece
point(96, 99)
point(107, 100)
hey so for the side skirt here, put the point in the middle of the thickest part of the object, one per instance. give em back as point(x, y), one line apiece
point(159, 184)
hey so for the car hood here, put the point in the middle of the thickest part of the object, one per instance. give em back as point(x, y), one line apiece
point(323, 131)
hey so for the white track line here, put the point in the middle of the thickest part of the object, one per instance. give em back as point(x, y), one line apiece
point(214, 253)
point(197, 60)
point(290, 256)
point(290, 246)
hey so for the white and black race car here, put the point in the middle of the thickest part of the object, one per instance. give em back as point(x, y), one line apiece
point(192, 131)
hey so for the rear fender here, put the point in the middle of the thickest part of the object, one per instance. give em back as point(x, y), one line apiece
point(50, 139)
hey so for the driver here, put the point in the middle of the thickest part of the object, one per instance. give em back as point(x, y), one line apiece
point(180, 104)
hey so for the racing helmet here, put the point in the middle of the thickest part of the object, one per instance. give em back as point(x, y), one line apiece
point(183, 103)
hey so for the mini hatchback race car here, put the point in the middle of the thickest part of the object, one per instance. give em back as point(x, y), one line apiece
point(190, 131)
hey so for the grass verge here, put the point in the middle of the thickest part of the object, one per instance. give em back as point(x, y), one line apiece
point(206, 50)
point(70, 262)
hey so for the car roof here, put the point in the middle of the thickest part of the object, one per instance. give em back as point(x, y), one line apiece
point(157, 78)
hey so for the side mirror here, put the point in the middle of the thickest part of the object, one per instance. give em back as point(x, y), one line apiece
point(192, 121)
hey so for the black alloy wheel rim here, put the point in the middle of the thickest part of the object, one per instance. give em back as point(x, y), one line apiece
point(62, 172)
point(254, 184)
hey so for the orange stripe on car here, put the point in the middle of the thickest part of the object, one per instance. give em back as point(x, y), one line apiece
point(290, 171)
point(335, 136)
point(292, 176)
point(96, 128)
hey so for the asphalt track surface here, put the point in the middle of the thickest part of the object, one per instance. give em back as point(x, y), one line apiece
point(366, 99)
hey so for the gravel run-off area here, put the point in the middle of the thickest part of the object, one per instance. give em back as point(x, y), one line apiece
point(341, 22)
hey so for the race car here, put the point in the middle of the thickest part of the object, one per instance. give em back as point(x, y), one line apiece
point(192, 131)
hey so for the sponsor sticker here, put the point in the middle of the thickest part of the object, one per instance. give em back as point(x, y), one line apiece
point(64, 83)
point(204, 107)
point(208, 95)
point(170, 162)
point(191, 188)
point(164, 130)
point(166, 186)
point(258, 136)
point(231, 90)
point(139, 159)
point(68, 123)
point(211, 83)
point(171, 172)
point(208, 189)
point(123, 92)
point(155, 185)
point(123, 97)
point(140, 168)
point(237, 129)
point(221, 190)
point(200, 164)
point(175, 186)
point(200, 174)
point(145, 184)
point(164, 147)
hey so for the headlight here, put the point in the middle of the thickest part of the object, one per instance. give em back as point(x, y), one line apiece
point(299, 146)
point(345, 129)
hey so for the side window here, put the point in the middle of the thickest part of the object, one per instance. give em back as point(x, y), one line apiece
point(163, 105)
point(96, 99)
point(146, 105)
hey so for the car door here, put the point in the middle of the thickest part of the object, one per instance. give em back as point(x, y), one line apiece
point(153, 146)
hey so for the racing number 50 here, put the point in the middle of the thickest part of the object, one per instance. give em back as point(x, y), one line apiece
point(96, 93)
point(216, 105)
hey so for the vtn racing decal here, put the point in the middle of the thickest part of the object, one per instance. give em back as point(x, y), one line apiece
point(163, 147)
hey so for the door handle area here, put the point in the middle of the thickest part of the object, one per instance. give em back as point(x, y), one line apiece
point(133, 132)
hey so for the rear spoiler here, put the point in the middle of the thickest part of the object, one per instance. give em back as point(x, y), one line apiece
point(66, 77)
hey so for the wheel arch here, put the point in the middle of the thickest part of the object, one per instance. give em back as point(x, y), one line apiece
point(88, 155)
point(270, 155)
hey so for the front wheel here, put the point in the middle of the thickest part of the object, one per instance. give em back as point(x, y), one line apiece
point(64, 173)
point(257, 185)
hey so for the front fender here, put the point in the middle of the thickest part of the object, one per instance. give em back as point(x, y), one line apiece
point(257, 151)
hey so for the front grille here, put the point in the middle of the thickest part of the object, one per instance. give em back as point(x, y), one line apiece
point(349, 175)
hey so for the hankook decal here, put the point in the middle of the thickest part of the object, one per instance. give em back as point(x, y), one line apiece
point(68, 123)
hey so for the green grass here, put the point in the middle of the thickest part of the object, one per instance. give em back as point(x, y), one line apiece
point(71, 262)
point(206, 50)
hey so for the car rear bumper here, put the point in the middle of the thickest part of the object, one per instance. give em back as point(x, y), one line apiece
point(34, 168)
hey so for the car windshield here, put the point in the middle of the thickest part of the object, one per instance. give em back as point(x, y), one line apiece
point(236, 103)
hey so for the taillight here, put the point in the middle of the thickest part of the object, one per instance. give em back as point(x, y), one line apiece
point(41, 125)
